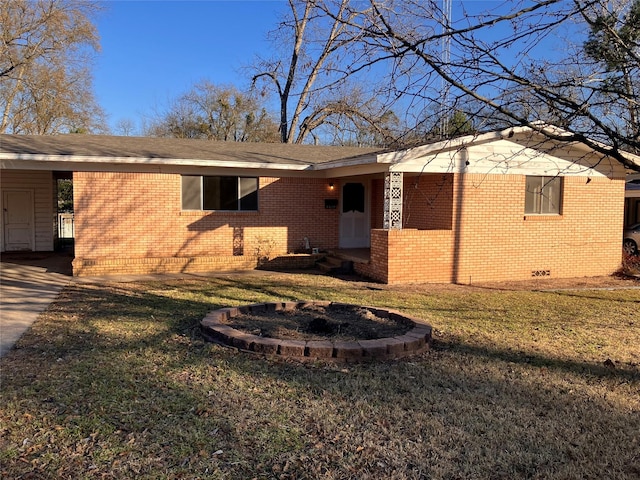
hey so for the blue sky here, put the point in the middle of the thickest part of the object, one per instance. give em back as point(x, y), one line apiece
point(155, 50)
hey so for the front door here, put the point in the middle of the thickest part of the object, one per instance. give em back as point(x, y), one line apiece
point(18, 232)
point(354, 216)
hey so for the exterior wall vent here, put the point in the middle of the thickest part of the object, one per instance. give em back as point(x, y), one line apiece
point(541, 273)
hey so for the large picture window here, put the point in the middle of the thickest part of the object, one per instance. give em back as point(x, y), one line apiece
point(543, 196)
point(219, 193)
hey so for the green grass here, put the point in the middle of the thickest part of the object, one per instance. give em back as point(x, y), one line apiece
point(114, 381)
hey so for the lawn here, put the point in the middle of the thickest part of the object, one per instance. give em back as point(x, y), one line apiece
point(115, 381)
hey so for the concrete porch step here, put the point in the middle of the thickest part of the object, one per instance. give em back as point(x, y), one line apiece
point(332, 264)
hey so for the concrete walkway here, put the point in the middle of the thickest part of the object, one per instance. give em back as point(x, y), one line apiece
point(29, 282)
point(25, 292)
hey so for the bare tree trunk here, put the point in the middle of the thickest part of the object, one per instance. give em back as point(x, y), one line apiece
point(9, 100)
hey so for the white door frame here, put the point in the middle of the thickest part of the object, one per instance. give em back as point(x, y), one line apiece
point(3, 207)
point(365, 240)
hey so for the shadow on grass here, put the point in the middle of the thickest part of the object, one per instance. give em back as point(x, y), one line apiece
point(604, 370)
point(117, 380)
point(576, 294)
point(164, 316)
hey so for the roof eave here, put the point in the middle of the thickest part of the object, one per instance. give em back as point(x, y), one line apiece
point(360, 160)
point(450, 144)
point(180, 162)
point(553, 131)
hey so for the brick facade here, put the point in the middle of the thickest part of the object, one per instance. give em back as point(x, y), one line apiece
point(133, 223)
point(458, 228)
point(491, 239)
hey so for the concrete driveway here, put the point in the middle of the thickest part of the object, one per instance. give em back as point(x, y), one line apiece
point(29, 282)
point(26, 290)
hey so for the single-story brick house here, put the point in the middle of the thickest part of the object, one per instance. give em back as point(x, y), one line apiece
point(504, 205)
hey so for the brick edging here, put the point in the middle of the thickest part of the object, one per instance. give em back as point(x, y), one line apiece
point(416, 340)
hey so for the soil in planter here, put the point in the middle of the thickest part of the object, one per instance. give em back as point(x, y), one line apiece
point(336, 322)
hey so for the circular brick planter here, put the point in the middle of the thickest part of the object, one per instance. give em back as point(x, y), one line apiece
point(414, 341)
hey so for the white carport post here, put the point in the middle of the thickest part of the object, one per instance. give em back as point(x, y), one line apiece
point(393, 200)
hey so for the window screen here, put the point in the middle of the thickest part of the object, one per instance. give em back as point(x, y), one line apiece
point(191, 193)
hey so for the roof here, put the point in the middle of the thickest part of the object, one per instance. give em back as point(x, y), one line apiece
point(519, 150)
point(77, 146)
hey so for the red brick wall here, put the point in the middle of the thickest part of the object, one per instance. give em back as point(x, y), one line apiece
point(410, 256)
point(377, 203)
point(462, 229)
point(428, 202)
point(120, 216)
point(492, 240)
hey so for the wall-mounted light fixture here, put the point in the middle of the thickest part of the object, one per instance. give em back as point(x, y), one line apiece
point(331, 186)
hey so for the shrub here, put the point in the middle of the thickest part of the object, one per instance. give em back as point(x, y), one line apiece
point(630, 264)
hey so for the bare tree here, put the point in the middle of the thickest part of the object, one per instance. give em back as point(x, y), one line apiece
point(339, 122)
point(125, 127)
point(501, 64)
point(350, 116)
point(614, 42)
point(45, 84)
point(211, 112)
point(317, 96)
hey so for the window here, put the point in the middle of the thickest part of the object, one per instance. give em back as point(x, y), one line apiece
point(219, 193)
point(353, 198)
point(543, 196)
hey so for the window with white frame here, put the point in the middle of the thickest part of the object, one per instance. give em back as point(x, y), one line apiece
point(543, 195)
point(225, 193)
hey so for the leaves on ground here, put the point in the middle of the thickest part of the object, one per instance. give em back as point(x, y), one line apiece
point(115, 381)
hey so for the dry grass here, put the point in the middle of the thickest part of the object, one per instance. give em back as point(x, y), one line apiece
point(114, 381)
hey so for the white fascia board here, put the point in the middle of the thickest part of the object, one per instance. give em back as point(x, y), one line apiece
point(16, 160)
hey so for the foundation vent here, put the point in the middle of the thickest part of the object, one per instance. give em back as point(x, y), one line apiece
point(541, 273)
